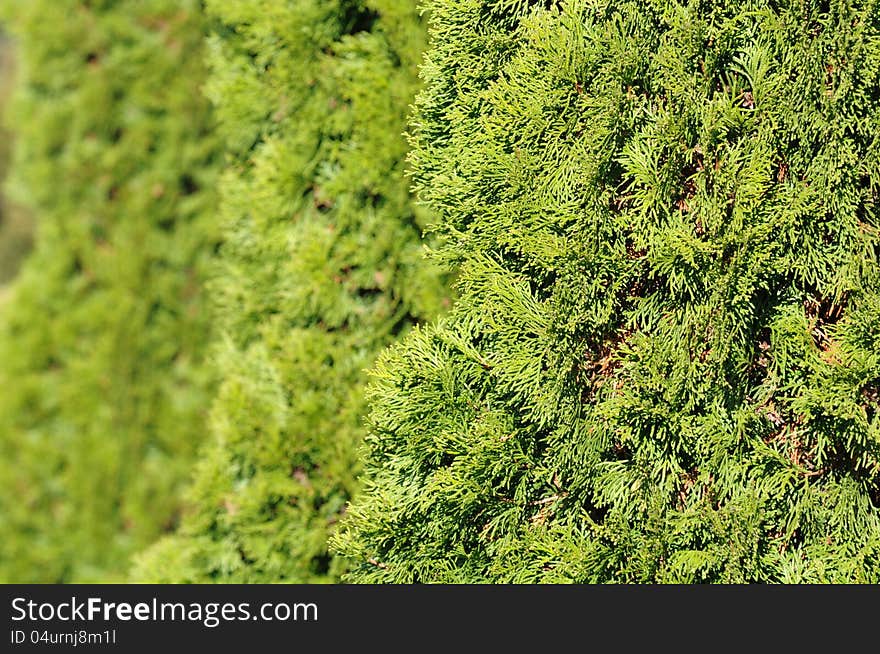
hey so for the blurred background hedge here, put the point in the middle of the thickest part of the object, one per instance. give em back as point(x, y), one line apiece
point(15, 224)
point(103, 333)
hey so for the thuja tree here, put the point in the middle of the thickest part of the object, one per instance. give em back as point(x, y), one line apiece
point(101, 341)
point(322, 267)
point(664, 363)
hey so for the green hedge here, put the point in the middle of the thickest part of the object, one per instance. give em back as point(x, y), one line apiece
point(15, 225)
point(101, 340)
point(321, 268)
point(664, 363)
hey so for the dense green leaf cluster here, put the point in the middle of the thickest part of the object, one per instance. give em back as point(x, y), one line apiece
point(102, 381)
point(665, 362)
point(321, 268)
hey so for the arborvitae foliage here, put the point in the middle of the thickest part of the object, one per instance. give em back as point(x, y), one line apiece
point(102, 385)
point(323, 267)
point(664, 363)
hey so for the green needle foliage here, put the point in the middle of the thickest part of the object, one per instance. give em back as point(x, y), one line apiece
point(665, 362)
point(102, 384)
point(322, 267)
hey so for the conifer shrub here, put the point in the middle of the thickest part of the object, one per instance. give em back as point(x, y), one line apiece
point(322, 266)
point(102, 382)
point(665, 361)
